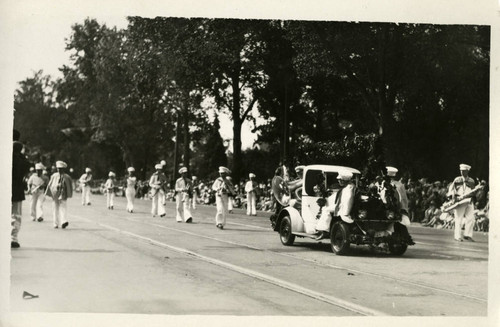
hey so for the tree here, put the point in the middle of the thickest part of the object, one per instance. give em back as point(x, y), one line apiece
point(40, 122)
point(233, 52)
point(212, 150)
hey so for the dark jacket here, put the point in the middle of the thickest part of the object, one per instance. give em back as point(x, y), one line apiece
point(20, 167)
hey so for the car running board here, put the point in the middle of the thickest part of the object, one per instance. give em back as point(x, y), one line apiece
point(305, 235)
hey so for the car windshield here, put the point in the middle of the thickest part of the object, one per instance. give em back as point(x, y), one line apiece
point(328, 180)
point(332, 181)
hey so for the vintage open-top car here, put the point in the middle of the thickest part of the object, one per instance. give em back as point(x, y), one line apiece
point(373, 221)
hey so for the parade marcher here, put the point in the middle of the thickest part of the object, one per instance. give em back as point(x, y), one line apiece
point(130, 190)
point(462, 189)
point(109, 186)
point(222, 187)
point(402, 202)
point(157, 183)
point(251, 191)
point(20, 167)
point(196, 191)
point(60, 189)
point(340, 204)
point(183, 197)
point(85, 180)
point(36, 187)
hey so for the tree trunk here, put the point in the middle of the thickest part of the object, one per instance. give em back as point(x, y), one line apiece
point(187, 138)
point(237, 162)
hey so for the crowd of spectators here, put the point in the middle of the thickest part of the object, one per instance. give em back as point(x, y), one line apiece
point(427, 200)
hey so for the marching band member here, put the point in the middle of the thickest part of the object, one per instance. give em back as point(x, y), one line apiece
point(402, 203)
point(36, 187)
point(60, 189)
point(250, 189)
point(85, 186)
point(110, 190)
point(130, 190)
point(401, 192)
point(157, 182)
point(462, 188)
point(183, 196)
point(222, 186)
point(196, 191)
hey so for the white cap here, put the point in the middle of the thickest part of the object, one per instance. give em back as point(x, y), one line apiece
point(88, 170)
point(183, 170)
point(391, 171)
point(129, 169)
point(195, 178)
point(158, 166)
point(464, 167)
point(111, 174)
point(344, 175)
point(163, 163)
point(251, 175)
point(39, 166)
point(61, 164)
point(301, 167)
point(223, 169)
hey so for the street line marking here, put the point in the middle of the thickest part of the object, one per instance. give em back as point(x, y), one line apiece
point(254, 274)
point(409, 282)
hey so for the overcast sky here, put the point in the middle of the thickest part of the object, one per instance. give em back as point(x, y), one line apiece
point(37, 41)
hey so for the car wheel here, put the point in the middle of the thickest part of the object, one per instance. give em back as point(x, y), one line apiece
point(339, 238)
point(286, 235)
point(397, 248)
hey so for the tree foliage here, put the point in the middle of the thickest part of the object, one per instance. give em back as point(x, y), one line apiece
point(414, 96)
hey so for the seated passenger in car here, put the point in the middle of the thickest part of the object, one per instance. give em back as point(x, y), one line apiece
point(338, 204)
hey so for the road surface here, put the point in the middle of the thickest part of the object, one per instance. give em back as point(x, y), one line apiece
point(111, 261)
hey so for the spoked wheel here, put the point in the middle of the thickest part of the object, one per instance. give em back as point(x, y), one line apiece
point(396, 245)
point(286, 235)
point(397, 248)
point(339, 238)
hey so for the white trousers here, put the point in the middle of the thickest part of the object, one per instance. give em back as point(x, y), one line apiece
point(222, 208)
point(36, 204)
point(157, 207)
point(195, 199)
point(59, 212)
point(16, 219)
point(110, 196)
point(464, 214)
point(130, 194)
point(230, 203)
point(251, 203)
point(86, 194)
point(185, 205)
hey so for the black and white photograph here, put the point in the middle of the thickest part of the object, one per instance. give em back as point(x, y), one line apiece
point(249, 163)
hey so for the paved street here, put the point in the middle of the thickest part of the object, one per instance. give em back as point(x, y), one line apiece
point(110, 261)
